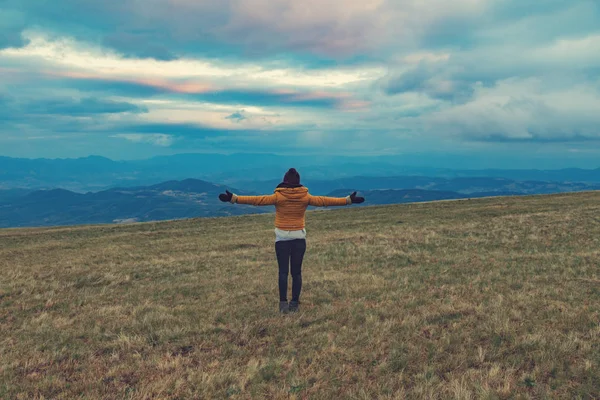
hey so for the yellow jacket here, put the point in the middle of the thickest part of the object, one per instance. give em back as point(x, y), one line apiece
point(290, 205)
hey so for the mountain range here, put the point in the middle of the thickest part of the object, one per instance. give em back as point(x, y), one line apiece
point(197, 198)
point(169, 200)
point(245, 170)
point(466, 185)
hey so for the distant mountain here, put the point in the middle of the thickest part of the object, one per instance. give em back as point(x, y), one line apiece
point(492, 186)
point(98, 173)
point(322, 187)
point(168, 200)
point(81, 174)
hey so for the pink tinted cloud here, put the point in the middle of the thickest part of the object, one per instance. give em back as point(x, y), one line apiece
point(170, 28)
point(344, 101)
point(354, 105)
point(188, 86)
point(324, 26)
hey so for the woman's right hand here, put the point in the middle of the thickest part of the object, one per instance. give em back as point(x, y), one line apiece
point(356, 199)
point(226, 197)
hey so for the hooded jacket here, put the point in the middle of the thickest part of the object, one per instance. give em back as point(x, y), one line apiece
point(290, 205)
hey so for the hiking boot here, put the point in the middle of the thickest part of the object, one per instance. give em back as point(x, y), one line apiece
point(284, 307)
point(294, 306)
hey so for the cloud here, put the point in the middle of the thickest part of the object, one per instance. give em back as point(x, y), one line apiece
point(234, 29)
point(348, 75)
point(579, 52)
point(235, 96)
point(273, 98)
point(156, 139)
point(176, 129)
point(12, 24)
point(80, 107)
point(332, 29)
point(237, 116)
point(68, 63)
point(197, 92)
point(181, 131)
point(509, 47)
point(523, 110)
point(164, 29)
point(80, 59)
point(436, 79)
point(338, 27)
point(54, 110)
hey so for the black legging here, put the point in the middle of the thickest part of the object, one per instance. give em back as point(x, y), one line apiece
point(290, 252)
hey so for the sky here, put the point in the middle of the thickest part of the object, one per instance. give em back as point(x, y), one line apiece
point(515, 82)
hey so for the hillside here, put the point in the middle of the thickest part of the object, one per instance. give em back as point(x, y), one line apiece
point(168, 200)
point(491, 298)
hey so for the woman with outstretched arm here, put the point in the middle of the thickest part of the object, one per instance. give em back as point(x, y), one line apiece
point(290, 200)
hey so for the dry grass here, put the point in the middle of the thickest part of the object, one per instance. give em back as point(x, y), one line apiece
point(495, 298)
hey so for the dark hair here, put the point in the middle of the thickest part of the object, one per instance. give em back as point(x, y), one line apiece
point(292, 177)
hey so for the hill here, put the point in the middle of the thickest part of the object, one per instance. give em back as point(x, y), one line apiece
point(466, 186)
point(168, 200)
point(491, 298)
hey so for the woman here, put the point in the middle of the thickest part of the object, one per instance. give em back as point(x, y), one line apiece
point(290, 200)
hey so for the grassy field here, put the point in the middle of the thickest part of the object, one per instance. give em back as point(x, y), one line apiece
point(494, 299)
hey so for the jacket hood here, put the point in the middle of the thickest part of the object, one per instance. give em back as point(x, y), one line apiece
point(289, 185)
point(292, 192)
